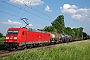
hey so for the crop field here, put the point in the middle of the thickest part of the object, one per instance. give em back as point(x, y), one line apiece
point(79, 50)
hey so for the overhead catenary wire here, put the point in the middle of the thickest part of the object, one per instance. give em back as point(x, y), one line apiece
point(10, 14)
point(22, 14)
point(35, 9)
point(41, 12)
point(25, 10)
point(18, 17)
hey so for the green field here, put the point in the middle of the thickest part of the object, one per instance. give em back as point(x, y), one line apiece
point(1, 40)
point(2, 43)
point(79, 50)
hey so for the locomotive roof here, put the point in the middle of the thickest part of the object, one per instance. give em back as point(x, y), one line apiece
point(15, 28)
point(36, 30)
point(28, 29)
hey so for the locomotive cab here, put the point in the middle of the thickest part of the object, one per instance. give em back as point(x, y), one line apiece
point(13, 37)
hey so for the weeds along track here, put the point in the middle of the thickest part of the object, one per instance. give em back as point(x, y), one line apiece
point(4, 53)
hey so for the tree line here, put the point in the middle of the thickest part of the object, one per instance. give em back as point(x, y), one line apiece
point(58, 26)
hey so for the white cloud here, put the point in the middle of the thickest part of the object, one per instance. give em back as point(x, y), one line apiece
point(10, 22)
point(47, 8)
point(77, 16)
point(30, 25)
point(76, 12)
point(28, 2)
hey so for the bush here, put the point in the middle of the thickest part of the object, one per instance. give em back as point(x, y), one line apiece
point(1, 35)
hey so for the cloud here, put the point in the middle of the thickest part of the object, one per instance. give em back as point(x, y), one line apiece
point(76, 12)
point(47, 8)
point(10, 22)
point(28, 2)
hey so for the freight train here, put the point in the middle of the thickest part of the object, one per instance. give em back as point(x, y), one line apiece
point(20, 38)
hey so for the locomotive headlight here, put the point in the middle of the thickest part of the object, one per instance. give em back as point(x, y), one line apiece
point(15, 37)
point(7, 37)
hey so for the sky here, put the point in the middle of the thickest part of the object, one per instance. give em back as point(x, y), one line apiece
point(41, 13)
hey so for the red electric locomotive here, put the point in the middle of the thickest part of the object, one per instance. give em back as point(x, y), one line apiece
point(19, 38)
point(22, 37)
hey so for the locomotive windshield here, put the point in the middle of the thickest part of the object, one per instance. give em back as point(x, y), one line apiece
point(12, 31)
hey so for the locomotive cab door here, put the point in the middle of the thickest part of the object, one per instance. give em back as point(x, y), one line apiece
point(24, 35)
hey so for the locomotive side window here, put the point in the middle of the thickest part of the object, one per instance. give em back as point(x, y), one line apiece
point(12, 32)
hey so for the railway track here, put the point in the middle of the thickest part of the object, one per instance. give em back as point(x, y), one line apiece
point(4, 53)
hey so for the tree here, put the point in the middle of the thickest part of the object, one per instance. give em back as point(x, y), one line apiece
point(78, 32)
point(84, 35)
point(1, 35)
point(88, 36)
point(58, 24)
point(50, 29)
point(72, 33)
point(68, 30)
point(75, 32)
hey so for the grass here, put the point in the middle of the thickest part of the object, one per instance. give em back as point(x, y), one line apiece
point(79, 50)
point(2, 43)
